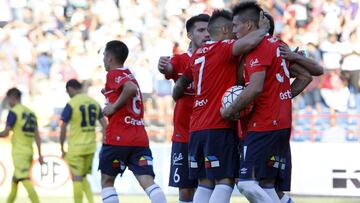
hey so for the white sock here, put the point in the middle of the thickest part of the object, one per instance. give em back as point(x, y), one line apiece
point(109, 195)
point(221, 194)
point(155, 194)
point(253, 192)
point(286, 199)
point(202, 194)
point(272, 194)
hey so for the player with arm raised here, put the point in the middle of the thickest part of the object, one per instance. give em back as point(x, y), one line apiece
point(126, 143)
point(22, 121)
point(173, 68)
point(81, 112)
point(213, 140)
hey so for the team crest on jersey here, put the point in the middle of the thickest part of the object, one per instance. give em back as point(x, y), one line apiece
point(211, 162)
point(277, 162)
point(145, 161)
point(193, 162)
point(254, 62)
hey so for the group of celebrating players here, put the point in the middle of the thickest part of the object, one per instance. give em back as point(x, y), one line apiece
point(229, 49)
point(213, 148)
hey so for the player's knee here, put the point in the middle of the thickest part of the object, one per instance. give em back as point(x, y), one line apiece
point(77, 178)
point(226, 181)
point(267, 183)
point(107, 181)
point(250, 189)
point(145, 181)
point(207, 183)
point(186, 194)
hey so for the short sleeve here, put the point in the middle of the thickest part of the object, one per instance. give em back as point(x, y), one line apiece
point(66, 114)
point(188, 72)
point(226, 51)
point(115, 80)
point(175, 62)
point(257, 60)
point(11, 119)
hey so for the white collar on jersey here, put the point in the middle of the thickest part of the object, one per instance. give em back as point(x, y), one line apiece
point(121, 68)
point(210, 42)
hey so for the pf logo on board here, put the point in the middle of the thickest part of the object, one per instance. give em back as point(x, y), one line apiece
point(54, 173)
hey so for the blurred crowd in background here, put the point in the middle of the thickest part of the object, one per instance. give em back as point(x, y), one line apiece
point(44, 43)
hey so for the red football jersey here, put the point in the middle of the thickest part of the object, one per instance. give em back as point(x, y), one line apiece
point(126, 125)
point(213, 72)
point(272, 108)
point(183, 106)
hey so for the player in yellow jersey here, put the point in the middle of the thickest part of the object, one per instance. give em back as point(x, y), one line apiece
point(81, 112)
point(22, 121)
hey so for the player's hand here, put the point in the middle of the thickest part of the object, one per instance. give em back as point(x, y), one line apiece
point(228, 115)
point(264, 23)
point(287, 54)
point(109, 109)
point(41, 160)
point(164, 61)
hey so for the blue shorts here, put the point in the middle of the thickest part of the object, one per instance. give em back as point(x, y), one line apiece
point(179, 168)
point(214, 154)
point(267, 156)
point(115, 159)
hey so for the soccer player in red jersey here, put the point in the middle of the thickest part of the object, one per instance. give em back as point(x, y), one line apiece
point(266, 152)
point(173, 68)
point(213, 140)
point(126, 143)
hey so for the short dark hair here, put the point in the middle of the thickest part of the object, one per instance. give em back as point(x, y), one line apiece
point(118, 49)
point(218, 17)
point(14, 92)
point(248, 11)
point(198, 18)
point(74, 84)
point(272, 24)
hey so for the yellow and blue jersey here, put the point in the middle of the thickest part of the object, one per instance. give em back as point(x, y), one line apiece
point(81, 113)
point(23, 123)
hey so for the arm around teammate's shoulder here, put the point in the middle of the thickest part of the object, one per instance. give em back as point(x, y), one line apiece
point(314, 68)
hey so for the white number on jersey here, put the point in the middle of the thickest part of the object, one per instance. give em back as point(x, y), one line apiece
point(201, 71)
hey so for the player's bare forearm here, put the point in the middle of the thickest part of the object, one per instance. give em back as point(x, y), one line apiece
point(180, 86)
point(38, 140)
point(252, 39)
point(129, 91)
point(62, 135)
point(5, 132)
point(103, 123)
point(249, 94)
point(302, 79)
point(311, 66)
point(248, 42)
